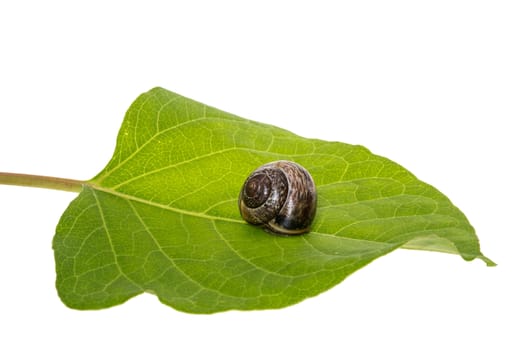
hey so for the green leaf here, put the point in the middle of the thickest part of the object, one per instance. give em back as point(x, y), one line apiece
point(162, 217)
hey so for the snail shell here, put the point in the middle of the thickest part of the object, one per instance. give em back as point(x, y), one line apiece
point(281, 196)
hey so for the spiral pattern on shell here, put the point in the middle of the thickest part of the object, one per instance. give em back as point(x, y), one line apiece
point(281, 196)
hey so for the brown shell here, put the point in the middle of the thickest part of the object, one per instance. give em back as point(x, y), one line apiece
point(281, 196)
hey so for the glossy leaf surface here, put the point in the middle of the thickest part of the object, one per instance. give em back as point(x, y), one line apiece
point(162, 217)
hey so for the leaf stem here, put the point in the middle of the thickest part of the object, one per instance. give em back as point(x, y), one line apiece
point(52, 183)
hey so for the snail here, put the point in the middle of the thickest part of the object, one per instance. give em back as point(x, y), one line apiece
point(281, 197)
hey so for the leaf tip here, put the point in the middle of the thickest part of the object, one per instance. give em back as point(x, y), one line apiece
point(487, 261)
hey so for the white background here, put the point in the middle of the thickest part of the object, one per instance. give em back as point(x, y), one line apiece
point(440, 87)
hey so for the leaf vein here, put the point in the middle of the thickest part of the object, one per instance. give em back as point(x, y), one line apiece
point(107, 233)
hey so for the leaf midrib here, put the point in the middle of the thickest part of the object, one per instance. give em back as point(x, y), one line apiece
point(214, 217)
point(163, 206)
